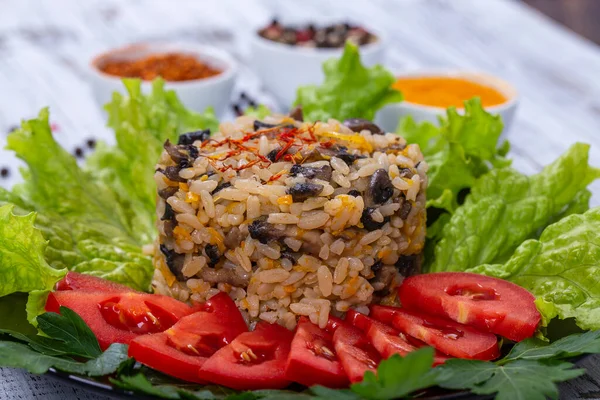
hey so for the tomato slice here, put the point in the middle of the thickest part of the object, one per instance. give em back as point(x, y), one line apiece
point(356, 354)
point(120, 317)
point(487, 303)
point(447, 336)
point(312, 359)
point(89, 283)
point(387, 340)
point(254, 360)
point(383, 314)
point(182, 350)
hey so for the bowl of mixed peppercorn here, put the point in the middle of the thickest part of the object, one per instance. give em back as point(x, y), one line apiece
point(287, 56)
point(202, 76)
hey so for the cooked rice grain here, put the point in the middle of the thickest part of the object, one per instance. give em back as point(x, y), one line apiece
point(305, 234)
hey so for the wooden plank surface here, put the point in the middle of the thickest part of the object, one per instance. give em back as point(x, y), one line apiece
point(46, 44)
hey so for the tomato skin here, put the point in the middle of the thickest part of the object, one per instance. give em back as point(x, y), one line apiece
point(89, 283)
point(387, 340)
point(486, 303)
point(355, 352)
point(359, 320)
point(155, 352)
point(448, 336)
point(312, 359)
point(333, 323)
point(225, 318)
point(87, 306)
point(182, 350)
point(254, 360)
point(383, 314)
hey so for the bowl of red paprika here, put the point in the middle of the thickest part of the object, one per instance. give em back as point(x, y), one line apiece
point(202, 76)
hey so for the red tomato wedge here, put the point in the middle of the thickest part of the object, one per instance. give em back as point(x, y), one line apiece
point(120, 317)
point(182, 350)
point(383, 314)
point(89, 283)
point(447, 336)
point(312, 359)
point(355, 352)
point(254, 360)
point(387, 340)
point(490, 304)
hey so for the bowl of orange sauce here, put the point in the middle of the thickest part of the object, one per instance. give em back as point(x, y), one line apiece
point(427, 95)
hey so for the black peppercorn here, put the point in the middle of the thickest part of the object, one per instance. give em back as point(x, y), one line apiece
point(237, 109)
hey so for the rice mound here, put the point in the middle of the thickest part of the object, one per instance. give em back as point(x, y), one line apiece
point(288, 217)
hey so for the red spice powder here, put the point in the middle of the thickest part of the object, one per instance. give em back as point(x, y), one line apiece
point(169, 66)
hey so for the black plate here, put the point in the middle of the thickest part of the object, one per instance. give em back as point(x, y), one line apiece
point(105, 388)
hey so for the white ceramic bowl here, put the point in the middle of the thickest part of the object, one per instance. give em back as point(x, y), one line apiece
point(387, 118)
point(283, 68)
point(196, 94)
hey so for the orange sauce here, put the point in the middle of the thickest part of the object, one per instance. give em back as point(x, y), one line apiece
point(169, 66)
point(445, 91)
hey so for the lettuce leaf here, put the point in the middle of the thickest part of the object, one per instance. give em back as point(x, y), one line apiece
point(258, 112)
point(142, 123)
point(460, 150)
point(350, 90)
point(506, 207)
point(560, 269)
point(22, 264)
point(88, 227)
point(96, 219)
point(55, 184)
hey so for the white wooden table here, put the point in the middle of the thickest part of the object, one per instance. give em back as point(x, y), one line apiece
point(45, 45)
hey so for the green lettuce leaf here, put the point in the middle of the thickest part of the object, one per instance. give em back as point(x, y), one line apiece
point(560, 269)
point(142, 123)
point(350, 90)
point(460, 150)
point(97, 219)
point(55, 184)
point(258, 112)
point(87, 226)
point(22, 264)
point(36, 301)
point(506, 207)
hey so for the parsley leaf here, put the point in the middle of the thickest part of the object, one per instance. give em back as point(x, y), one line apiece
point(569, 346)
point(324, 393)
point(398, 376)
point(142, 384)
point(69, 334)
point(517, 380)
point(272, 395)
point(138, 383)
point(66, 334)
point(19, 355)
